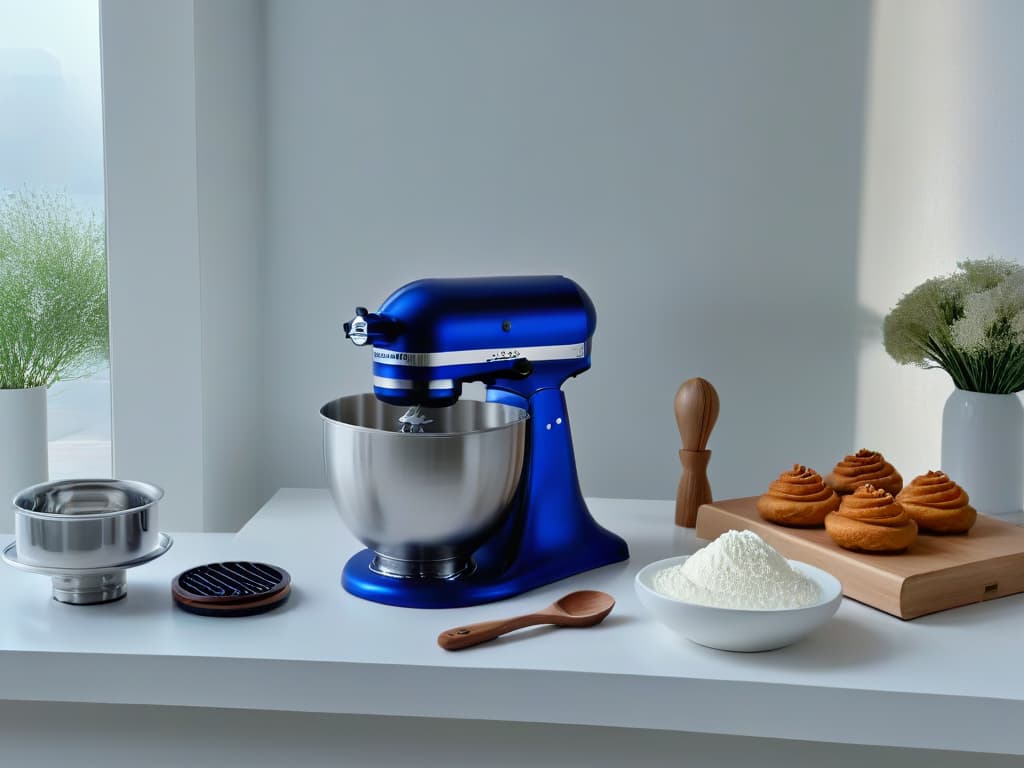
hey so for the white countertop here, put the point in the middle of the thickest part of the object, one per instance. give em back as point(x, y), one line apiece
point(947, 681)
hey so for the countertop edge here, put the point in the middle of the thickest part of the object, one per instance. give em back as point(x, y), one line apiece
point(738, 708)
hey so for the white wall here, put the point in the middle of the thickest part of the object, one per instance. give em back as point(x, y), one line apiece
point(183, 115)
point(152, 250)
point(744, 188)
point(943, 182)
point(231, 159)
point(695, 166)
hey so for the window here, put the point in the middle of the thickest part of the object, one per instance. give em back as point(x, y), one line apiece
point(51, 142)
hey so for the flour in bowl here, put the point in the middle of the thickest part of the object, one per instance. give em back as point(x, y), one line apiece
point(738, 570)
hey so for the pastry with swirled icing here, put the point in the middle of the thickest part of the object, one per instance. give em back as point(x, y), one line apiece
point(871, 520)
point(937, 504)
point(798, 498)
point(864, 467)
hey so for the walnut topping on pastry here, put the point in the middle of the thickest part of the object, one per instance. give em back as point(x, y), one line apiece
point(870, 519)
point(937, 504)
point(799, 497)
point(864, 467)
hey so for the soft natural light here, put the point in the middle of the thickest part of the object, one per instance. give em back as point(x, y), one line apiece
point(51, 140)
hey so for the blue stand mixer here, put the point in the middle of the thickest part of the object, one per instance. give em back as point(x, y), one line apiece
point(464, 502)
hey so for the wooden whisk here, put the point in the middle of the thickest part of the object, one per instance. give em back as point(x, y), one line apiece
point(696, 409)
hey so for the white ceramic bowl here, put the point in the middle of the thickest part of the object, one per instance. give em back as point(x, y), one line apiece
point(734, 629)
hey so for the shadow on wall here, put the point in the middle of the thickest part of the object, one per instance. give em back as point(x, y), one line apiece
point(942, 183)
point(695, 166)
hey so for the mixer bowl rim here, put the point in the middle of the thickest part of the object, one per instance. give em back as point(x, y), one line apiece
point(154, 493)
point(522, 418)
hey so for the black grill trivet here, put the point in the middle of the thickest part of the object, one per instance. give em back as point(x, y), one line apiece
point(231, 589)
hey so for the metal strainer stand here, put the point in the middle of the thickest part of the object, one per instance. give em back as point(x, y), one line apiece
point(87, 586)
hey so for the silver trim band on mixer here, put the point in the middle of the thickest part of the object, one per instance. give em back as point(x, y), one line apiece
point(471, 356)
point(382, 382)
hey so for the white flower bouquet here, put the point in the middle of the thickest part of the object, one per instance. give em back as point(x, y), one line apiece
point(970, 324)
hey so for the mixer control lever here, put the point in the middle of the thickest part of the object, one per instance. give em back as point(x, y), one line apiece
point(367, 327)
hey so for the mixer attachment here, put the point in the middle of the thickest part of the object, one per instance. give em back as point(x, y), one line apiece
point(413, 420)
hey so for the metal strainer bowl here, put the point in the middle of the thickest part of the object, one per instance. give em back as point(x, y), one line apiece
point(85, 534)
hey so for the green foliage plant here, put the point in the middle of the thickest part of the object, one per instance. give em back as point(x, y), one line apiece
point(53, 291)
point(969, 323)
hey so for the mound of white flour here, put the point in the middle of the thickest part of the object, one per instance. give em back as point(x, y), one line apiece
point(738, 570)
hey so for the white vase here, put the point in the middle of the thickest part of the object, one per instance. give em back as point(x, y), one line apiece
point(23, 457)
point(983, 449)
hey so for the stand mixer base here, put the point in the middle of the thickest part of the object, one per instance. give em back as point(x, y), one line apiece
point(484, 584)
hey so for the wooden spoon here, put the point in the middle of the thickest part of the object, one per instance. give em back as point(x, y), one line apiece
point(577, 609)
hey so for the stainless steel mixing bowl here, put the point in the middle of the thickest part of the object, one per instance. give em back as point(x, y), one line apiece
point(422, 501)
point(71, 524)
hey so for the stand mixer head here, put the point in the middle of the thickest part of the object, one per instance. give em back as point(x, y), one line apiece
point(430, 336)
point(521, 336)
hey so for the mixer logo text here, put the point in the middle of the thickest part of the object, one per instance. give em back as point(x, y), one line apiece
point(505, 354)
point(400, 358)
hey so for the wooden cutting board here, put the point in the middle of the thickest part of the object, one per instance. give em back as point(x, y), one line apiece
point(935, 573)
